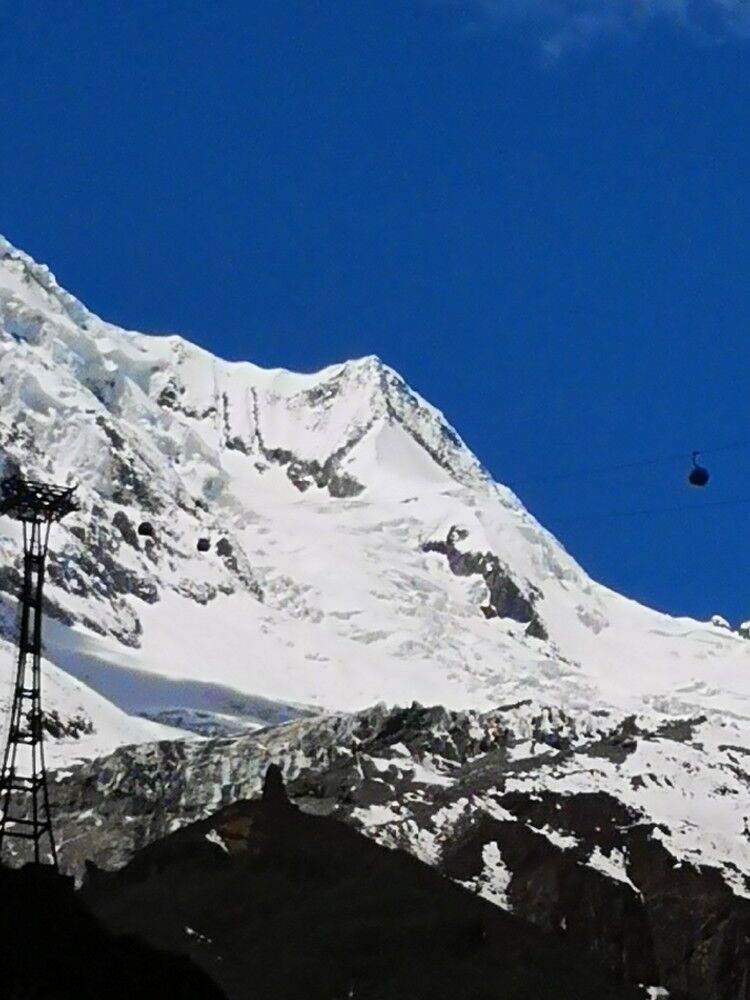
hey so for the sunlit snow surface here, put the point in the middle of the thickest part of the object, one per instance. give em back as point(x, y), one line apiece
point(324, 488)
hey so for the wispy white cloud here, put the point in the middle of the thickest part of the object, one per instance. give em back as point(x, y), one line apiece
point(563, 25)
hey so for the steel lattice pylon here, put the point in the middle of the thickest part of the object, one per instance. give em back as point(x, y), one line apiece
point(23, 780)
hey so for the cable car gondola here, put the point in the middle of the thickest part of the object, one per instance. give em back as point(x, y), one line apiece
point(146, 529)
point(698, 475)
point(203, 545)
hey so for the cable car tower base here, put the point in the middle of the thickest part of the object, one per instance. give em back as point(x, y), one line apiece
point(23, 780)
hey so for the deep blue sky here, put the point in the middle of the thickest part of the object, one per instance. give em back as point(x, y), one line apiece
point(546, 233)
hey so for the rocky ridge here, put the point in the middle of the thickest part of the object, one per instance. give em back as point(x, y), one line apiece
point(549, 817)
point(277, 904)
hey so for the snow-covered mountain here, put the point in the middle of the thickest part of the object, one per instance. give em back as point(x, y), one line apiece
point(358, 550)
point(322, 543)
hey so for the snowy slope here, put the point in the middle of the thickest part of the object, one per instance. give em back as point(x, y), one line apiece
point(328, 500)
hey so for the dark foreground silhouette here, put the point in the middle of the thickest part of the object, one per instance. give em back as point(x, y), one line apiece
point(275, 903)
point(51, 948)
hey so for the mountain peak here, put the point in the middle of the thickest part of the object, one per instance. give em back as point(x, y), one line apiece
point(231, 405)
point(22, 276)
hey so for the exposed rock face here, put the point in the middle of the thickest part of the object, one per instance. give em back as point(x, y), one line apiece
point(508, 803)
point(289, 513)
point(73, 727)
point(505, 600)
point(274, 793)
point(68, 407)
point(304, 473)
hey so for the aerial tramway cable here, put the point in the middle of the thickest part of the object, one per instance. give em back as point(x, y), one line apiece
point(587, 472)
point(698, 476)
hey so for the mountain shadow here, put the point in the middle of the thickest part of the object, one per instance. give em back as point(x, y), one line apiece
point(52, 948)
point(276, 903)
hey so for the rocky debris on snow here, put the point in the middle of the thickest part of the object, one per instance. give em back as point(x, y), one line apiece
point(74, 727)
point(505, 598)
